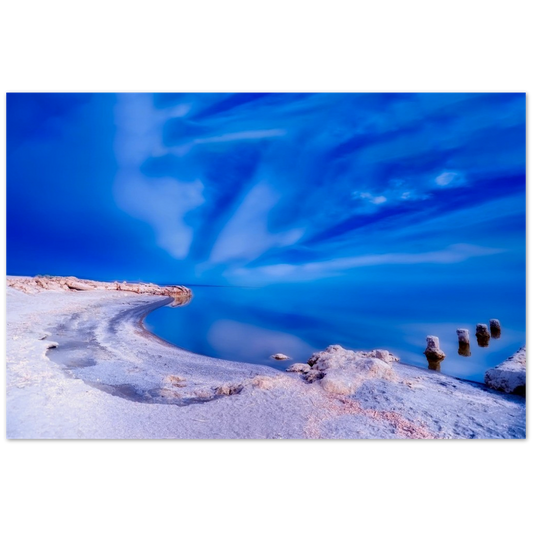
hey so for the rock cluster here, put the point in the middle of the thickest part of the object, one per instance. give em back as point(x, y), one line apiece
point(342, 371)
point(181, 295)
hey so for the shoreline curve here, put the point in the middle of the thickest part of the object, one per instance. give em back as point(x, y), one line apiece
point(81, 364)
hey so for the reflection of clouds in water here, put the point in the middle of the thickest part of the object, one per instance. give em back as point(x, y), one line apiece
point(239, 340)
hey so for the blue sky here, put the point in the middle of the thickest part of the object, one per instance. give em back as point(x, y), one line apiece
point(258, 189)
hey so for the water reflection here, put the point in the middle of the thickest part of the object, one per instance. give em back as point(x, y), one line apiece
point(250, 325)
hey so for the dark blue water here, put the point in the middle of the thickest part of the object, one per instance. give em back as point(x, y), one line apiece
point(251, 324)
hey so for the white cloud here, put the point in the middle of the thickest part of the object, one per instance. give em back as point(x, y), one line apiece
point(455, 253)
point(179, 111)
point(138, 129)
point(241, 136)
point(246, 235)
point(378, 200)
point(454, 179)
point(162, 203)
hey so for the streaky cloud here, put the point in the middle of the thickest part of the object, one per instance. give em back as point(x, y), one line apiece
point(241, 136)
point(455, 253)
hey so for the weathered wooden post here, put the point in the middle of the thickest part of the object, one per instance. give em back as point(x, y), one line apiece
point(495, 328)
point(464, 342)
point(483, 335)
point(433, 352)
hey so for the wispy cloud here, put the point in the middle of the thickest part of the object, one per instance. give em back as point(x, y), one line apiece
point(456, 253)
point(246, 234)
point(335, 170)
point(241, 136)
point(373, 199)
point(163, 204)
point(450, 179)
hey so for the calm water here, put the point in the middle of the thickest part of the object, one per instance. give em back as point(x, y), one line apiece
point(251, 324)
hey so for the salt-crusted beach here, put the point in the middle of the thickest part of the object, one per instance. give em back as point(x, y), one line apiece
point(81, 365)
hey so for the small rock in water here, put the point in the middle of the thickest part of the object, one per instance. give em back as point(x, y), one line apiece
point(280, 357)
point(495, 328)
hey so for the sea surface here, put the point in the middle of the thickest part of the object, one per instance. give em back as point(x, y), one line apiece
point(252, 324)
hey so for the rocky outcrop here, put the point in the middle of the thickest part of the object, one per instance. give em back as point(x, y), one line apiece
point(347, 380)
point(509, 376)
point(302, 368)
point(180, 294)
point(341, 371)
point(384, 355)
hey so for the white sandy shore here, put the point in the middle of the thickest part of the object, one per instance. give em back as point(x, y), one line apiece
point(109, 379)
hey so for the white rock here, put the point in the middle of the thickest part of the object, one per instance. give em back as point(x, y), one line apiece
point(509, 376)
point(299, 367)
point(347, 380)
point(384, 355)
point(334, 356)
point(280, 357)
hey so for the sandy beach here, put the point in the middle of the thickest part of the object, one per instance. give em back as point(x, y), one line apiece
point(81, 365)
